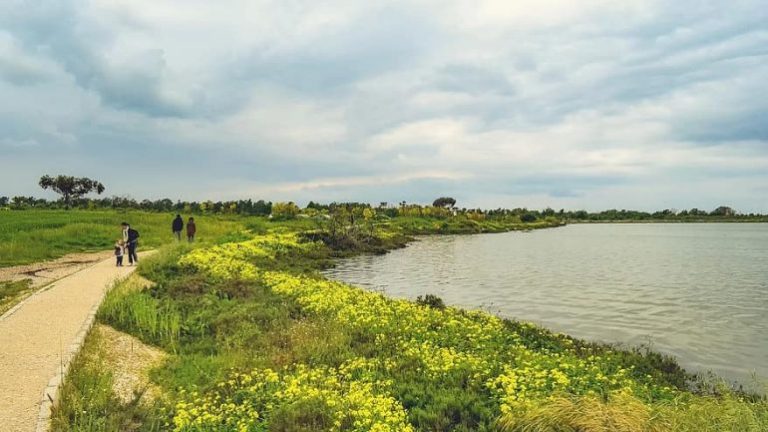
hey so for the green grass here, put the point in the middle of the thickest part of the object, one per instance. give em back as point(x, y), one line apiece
point(12, 292)
point(35, 235)
point(88, 402)
point(213, 327)
point(463, 225)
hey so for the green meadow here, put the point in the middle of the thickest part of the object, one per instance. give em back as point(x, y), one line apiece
point(28, 236)
point(257, 340)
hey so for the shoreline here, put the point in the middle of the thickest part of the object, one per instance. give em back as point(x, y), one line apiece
point(757, 386)
point(414, 358)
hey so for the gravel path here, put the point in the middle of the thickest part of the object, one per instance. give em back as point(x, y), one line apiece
point(37, 338)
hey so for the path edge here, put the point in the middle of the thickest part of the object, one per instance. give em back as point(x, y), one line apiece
point(41, 289)
point(51, 393)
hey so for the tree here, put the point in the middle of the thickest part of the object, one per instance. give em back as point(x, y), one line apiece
point(444, 202)
point(723, 211)
point(4, 200)
point(285, 211)
point(70, 187)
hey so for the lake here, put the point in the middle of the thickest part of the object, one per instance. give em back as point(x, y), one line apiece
point(695, 291)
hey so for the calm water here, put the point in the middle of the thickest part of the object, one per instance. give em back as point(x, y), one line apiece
point(697, 291)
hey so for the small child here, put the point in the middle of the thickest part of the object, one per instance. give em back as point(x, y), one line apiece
point(119, 252)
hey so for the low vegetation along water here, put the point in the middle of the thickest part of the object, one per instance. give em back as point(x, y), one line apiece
point(697, 291)
point(256, 340)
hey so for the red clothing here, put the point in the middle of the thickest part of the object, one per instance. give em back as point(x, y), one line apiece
point(191, 228)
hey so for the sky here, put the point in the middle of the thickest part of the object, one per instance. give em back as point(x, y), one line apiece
point(532, 103)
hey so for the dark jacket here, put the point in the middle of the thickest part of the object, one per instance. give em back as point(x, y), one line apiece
point(133, 236)
point(191, 228)
point(178, 224)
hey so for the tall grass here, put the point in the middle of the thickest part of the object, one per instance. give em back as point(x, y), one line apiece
point(134, 311)
point(88, 403)
point(686, 413)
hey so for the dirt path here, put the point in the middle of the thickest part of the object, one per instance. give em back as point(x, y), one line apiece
point(38, 339)
point(46, 272)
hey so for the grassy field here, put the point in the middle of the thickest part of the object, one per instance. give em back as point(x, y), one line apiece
point(36, 235)
point(259, 341)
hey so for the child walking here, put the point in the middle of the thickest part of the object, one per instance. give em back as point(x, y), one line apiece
point(119, 252)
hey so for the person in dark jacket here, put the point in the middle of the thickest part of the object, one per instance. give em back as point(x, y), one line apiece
point(131, 239)
point(191, 230)
point(177, 226)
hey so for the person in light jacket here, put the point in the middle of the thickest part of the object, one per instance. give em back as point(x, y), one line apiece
point(191, 230)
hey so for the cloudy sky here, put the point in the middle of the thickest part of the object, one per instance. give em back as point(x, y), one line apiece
point(590, 104)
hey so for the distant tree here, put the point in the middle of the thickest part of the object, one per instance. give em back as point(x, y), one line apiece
point(444, 202)
point(580, 214)
point(4, 201)
point(723, 211)
point(528, 218)
point(285, 210)
point(262, 208)
point(20, 202)
point(69, 187)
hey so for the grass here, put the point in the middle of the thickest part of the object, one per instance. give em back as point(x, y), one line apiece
point(36, 235)
point(12, 292)
point(258, 341)
point(280, 348)
point(464, 225)
point(88, 401)
point(628, 414)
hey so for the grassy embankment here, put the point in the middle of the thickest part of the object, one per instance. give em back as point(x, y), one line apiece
point(35, 235)
point(258, 341)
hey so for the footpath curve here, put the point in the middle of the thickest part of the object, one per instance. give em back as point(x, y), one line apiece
point(39, 337)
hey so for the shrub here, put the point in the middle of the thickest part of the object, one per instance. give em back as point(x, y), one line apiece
point(285, 211)
point(430, 300)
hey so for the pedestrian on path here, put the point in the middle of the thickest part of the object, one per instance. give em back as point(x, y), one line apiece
point(191, 230)
point(119, 252)
point(177, 226)
point(131, 239)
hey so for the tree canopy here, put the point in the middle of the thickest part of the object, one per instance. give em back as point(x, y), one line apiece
point(444, 202)
point(70, 187)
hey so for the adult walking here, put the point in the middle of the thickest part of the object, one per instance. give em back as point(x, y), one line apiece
point(131, 239)
point(177, 226)
point(191, 230)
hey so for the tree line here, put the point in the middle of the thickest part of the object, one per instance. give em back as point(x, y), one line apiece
point(250, 207)
point(288, 209)
point(73, 191)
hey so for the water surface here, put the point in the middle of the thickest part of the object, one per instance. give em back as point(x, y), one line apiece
point(696, 291)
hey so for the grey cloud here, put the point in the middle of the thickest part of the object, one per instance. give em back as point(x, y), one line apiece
point(57, 29)
point(464, 78)
point(20, 72)
point(681, 76)
point(384, 40)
